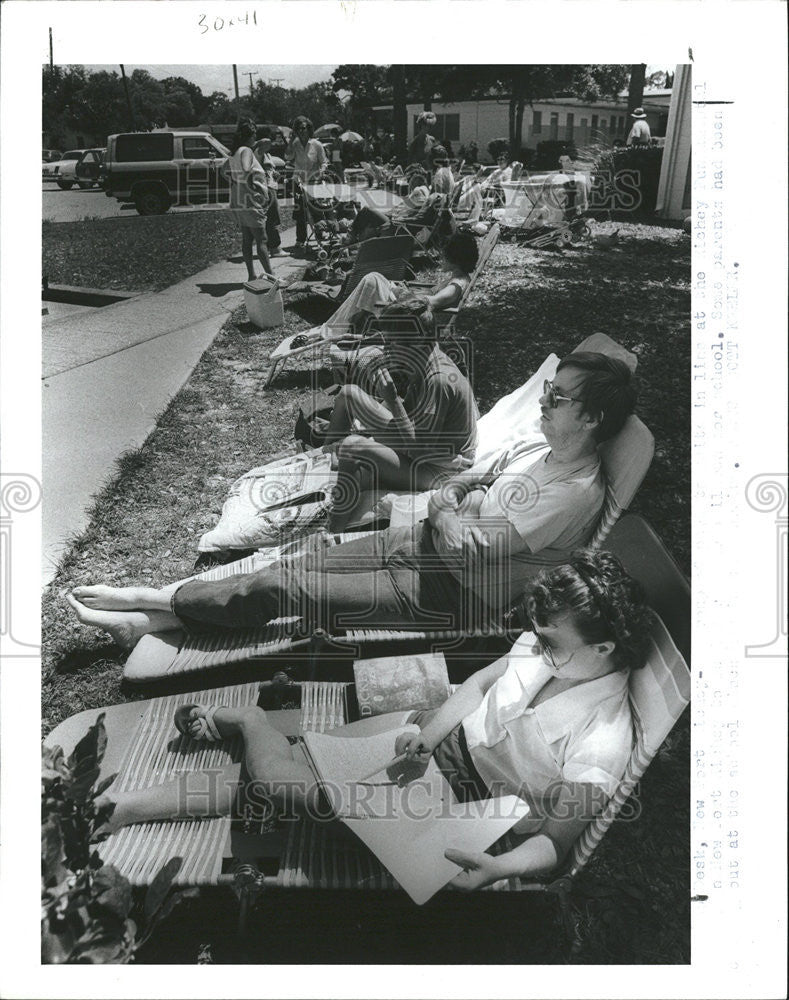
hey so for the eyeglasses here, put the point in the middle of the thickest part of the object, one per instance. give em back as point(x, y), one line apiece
point(553, 396)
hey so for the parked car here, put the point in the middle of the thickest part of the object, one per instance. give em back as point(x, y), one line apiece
point(158, 169)
point(50, 155)
point(89, 169)
point(63, 169)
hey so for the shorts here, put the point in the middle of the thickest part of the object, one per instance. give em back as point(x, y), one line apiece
point(453, 758)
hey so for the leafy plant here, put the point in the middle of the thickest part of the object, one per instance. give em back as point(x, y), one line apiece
point(88, 908)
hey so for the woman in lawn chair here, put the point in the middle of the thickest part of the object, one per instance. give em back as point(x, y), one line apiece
point(414, 441)
point(374, 291)
point(549, 722)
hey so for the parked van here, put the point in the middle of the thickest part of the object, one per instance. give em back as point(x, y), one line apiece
point(158, 169)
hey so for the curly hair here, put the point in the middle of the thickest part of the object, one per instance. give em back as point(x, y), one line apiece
point(302, 120)
point(426, 119)
point(245, 130)
point(604, 602)
point(461, 249)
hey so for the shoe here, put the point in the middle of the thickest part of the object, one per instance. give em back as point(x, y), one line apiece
point(276, 252)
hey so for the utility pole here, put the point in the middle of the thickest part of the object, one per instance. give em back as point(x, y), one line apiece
point(250, 75)
point(51, 61)
point(235, 85)
point(128, 99)
point(275, 81)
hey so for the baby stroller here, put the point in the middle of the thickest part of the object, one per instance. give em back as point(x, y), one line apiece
point(545, 210)
point(328, 213)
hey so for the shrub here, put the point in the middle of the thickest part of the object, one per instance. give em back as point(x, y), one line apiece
point(87, 906)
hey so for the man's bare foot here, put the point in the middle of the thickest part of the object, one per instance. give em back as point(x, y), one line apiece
point(101, 598)
point(125, 627)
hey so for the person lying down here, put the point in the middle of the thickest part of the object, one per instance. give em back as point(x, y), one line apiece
point(549, 722)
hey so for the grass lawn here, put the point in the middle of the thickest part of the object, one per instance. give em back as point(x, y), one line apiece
point(632, 901)
point(138, 253)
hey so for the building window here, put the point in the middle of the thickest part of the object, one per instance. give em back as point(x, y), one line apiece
point(584, 122)
point(603, 123)
point(536, 122)
point(570, 125)
point(594, 121)
point(554, 126)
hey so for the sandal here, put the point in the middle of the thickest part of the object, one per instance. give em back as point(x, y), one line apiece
point(208, 730)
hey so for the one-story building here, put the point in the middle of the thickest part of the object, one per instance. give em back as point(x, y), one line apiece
point(571, 119)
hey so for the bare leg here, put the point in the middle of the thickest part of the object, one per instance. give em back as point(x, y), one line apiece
point(366, 464)
point(260, 240)
point(352, 402)
point(246, 252)
point(269, 768)
point(125, 627)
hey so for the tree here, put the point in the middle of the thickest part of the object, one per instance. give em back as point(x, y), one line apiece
point(635, 92)
point(400, 112)
point(62, 91)
point(103, 108)
point(199, 101)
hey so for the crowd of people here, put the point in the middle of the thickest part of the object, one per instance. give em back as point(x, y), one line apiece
point(549, 721)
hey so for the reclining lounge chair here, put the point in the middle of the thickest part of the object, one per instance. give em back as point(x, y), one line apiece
point(388, 255)
point(143, 747)
point(626, 459)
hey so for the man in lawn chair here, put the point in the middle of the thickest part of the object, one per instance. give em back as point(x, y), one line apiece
point(485, 536)
point(549, 722)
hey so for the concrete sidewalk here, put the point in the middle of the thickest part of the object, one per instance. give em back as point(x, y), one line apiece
point(107, 375)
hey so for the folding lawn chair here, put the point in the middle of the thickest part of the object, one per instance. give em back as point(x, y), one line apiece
point(387, 255)
point(143, 747)
point(159, 656)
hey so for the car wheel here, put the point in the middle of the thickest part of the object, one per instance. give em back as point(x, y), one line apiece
point(65, 185)
point(152, 201)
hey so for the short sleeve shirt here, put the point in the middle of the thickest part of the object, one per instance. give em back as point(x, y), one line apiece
point(444, 411)
point(583, 734)
point(553, 506)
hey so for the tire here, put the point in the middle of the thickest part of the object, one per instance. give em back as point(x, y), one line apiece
point(65, 185)
point(84, 185)
point(152, 201)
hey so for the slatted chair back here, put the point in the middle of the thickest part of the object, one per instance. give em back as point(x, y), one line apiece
point(659, 691)
point(388, 255)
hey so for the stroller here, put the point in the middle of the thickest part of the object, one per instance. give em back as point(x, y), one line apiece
point(545, 210)
point(328, 213)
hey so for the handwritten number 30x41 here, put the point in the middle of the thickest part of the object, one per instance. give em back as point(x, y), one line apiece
point(220, 22)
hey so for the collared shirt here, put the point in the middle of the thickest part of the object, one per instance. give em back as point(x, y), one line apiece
point(307, 159)
point(583, 734)
point(444, 411)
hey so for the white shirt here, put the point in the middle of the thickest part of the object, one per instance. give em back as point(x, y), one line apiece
point(639, 132)
point(584, 734)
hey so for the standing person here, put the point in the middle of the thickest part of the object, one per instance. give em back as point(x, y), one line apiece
point(423, 143)
point(639, 133)
point(249, 198)
point(263, 153)
point(309, 163)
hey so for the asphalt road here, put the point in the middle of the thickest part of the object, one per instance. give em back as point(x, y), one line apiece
point(75, 205)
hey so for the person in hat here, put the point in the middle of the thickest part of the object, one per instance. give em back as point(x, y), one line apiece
point(639, 133)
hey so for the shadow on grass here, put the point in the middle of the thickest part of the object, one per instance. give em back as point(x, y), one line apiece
point(80, 659)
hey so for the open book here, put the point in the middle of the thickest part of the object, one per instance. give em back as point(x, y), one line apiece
point(407, 826)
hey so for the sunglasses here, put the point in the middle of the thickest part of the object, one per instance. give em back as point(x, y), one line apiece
point(553, 396)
